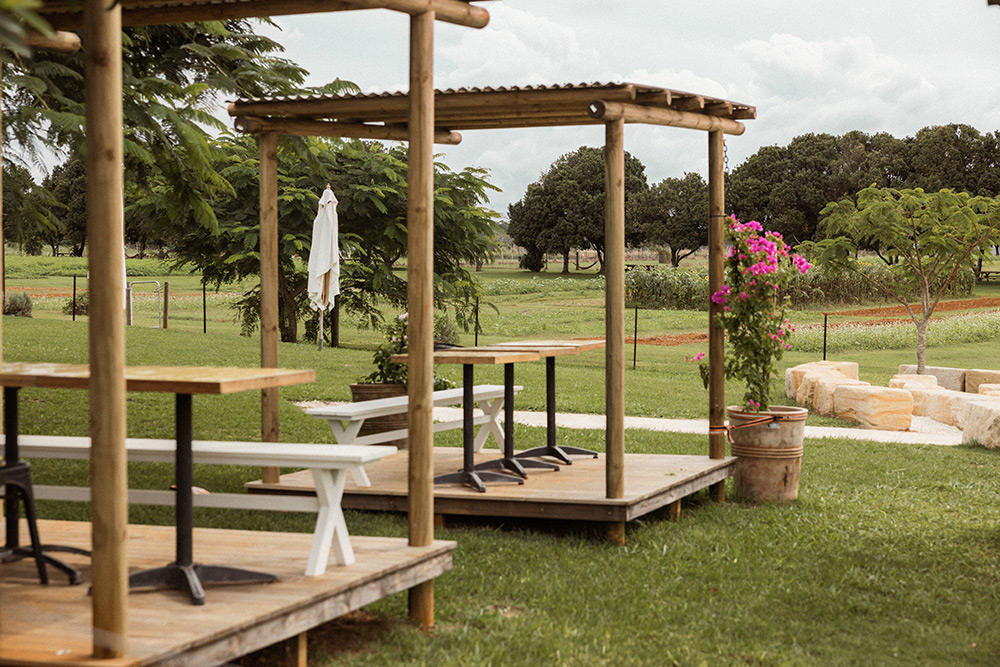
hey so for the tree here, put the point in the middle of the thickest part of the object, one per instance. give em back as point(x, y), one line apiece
point(68, 185)
point(566, 209)
point(171, 76)
point(925, 238)
point(958, 157)
point(27, 210)
point(785, 188)
point(674, 213)
point(370, 183)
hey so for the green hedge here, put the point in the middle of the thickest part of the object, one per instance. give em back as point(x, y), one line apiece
point(687, 289)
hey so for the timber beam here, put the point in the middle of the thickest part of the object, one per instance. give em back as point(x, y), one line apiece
point(323, 128)
point(68, 14)
point(636, 113)
point(59, 41)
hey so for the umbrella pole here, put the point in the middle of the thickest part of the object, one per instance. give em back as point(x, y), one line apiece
point(321, 312)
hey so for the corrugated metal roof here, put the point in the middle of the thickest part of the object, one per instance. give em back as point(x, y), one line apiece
point(593, 86)
point(484, 107)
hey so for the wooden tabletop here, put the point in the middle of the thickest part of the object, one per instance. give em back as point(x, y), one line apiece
point(171, 379)
point(475, 355)
point(542, 350)
point(580, 345)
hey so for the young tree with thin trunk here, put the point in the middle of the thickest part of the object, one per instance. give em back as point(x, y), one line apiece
point(925, 238)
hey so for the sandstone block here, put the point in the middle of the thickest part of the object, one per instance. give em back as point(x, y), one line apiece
point(986, 389)
point(794, 375)
point(963, 407)
point(806, 393)
point(935, 403)
point(949, 378)
point(901, 381)
point(825, 387)
point(880, 408)
point(975, 377)
point(983, 425)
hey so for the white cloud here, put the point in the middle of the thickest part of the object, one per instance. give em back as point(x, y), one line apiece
point(517, 48)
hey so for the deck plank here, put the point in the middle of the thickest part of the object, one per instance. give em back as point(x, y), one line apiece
point(575, 492)
point(50, 625)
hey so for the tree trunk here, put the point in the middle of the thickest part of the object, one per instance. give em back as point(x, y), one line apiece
point(565, 262)
point(921, 344)
point(675, 259)
point(287, 311)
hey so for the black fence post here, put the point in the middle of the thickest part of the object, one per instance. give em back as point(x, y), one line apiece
point(74, 297)
point(824, 336)
point(635, 337)
point(204, 307)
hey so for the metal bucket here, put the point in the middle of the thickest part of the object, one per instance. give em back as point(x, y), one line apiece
point(768, 445)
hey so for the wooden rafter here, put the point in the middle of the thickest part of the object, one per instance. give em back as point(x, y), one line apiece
point(303, 127)
point(68, 14)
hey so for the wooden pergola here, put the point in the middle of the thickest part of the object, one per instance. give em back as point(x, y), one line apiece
point(608, 104)
point(101, 22)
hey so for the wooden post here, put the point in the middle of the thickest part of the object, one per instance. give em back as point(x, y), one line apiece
point(614, 324)
point(105, 238)
point(420, 296)
point(716, 340)
point(269, 291)
point(3, 268)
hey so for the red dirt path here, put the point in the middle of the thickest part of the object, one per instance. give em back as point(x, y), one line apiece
point(885, 314)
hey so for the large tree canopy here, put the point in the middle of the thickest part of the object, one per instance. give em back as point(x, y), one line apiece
point(172, 76)
point(370, 183)
point(674, 214)
point(786, 187)
point(565, 208)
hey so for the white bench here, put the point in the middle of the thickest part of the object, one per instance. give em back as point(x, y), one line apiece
point(346, 419)
point(329, 464)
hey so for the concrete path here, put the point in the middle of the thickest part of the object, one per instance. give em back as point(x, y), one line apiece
point(923, 431)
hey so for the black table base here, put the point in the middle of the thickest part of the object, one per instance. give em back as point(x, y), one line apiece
point(471, 474)
point(183, 573)
point(191, 577)
point(476, 478)
point(551, 448)
point(510, 462)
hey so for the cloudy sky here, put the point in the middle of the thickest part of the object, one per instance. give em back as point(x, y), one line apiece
point(808, 67)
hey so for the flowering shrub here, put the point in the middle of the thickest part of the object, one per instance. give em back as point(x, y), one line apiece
point(758, 268)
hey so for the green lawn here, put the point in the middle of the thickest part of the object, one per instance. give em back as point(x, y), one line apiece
point(891, 555)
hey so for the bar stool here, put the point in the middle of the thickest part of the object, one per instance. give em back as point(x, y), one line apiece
point(15, 478)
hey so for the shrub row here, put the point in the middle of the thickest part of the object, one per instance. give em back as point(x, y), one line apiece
point(687, 289)
point(536, 285)
point(971, 328)
point(20, 267)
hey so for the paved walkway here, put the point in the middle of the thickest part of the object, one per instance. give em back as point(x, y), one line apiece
point(923, 431)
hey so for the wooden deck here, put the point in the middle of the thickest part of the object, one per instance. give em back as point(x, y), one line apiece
point(50, 625)
point(574, 492)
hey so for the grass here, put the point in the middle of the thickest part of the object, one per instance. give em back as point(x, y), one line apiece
point(891, 555)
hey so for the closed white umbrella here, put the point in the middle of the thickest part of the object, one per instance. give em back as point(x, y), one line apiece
point(324, 258)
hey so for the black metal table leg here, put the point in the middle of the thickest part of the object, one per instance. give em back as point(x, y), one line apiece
point(12, 550)
point(183, 573)
point(509, 461)
point(469, 474)
point(551, 448)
